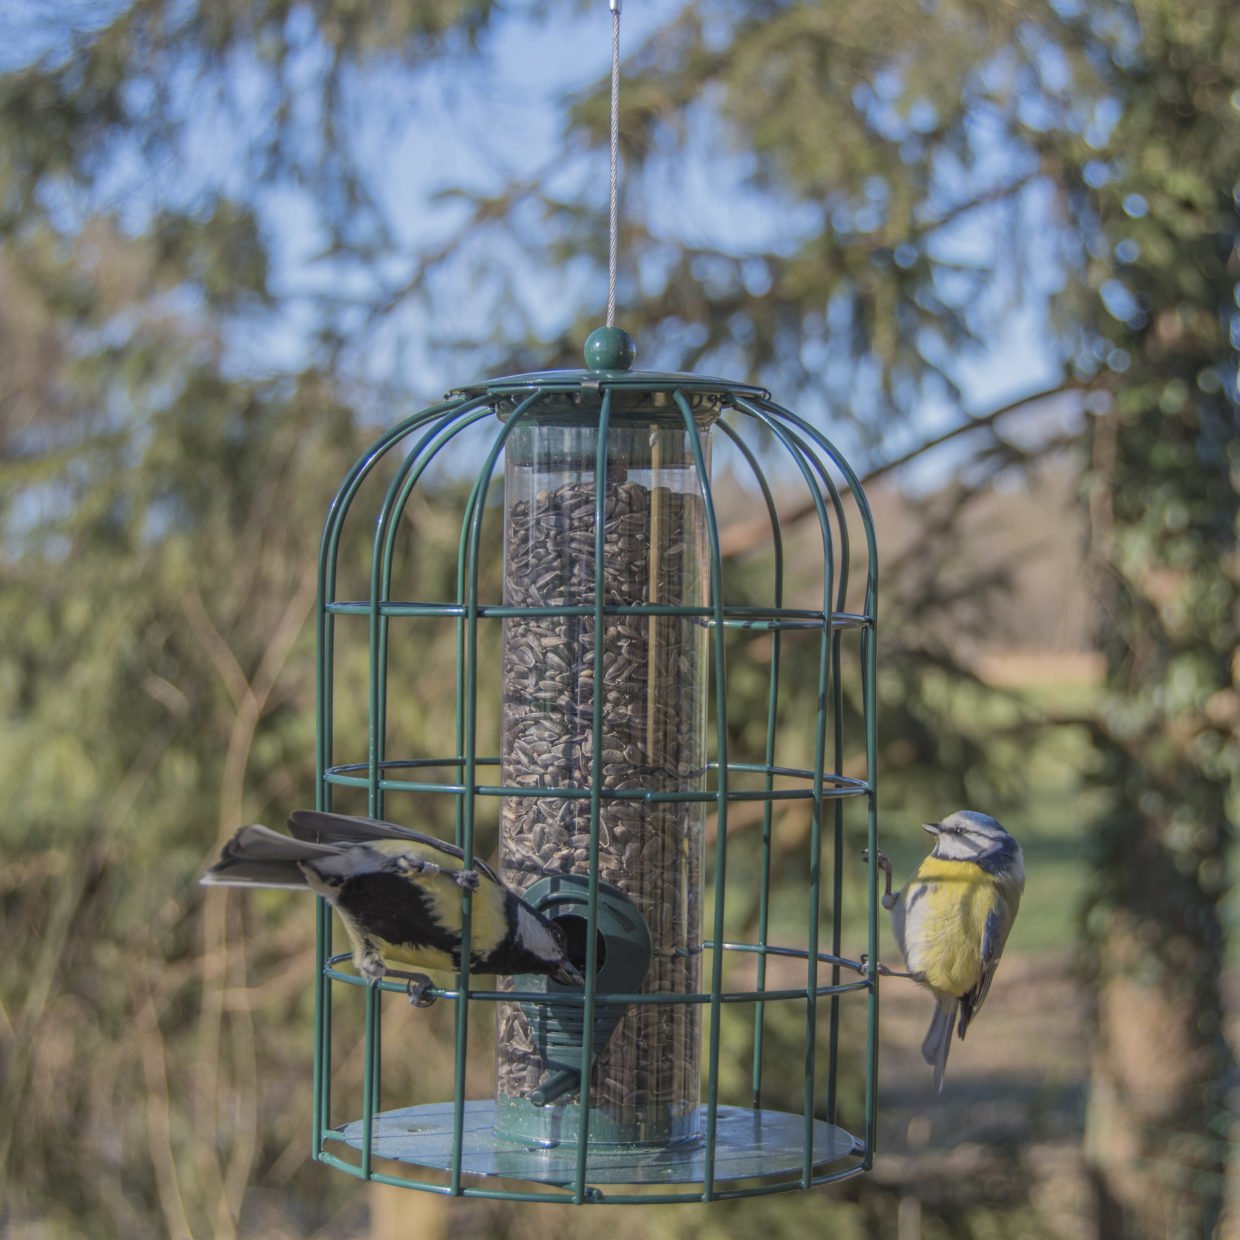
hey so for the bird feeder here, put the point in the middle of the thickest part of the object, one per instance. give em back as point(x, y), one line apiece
point(621, 770)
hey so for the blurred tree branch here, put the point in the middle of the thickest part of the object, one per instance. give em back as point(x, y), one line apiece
point(739, 537)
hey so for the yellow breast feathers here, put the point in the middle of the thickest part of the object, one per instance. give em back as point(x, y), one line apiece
point(443, 896)
point(946, 907)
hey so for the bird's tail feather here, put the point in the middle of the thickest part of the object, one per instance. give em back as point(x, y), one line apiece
point(938, 1038)
point(259, 857)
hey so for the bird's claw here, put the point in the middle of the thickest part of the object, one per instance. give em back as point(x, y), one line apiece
point(372, 969)
point(863, 967)
point(880, 859)
point(883, 862)
point(421, 990)
point(468, 879)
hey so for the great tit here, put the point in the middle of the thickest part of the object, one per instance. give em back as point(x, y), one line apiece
point(398, 893)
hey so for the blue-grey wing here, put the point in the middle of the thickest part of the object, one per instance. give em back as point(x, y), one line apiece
point(994, 935)
point(898, 913)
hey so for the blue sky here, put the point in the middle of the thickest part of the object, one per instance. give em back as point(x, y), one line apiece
point(473, 125)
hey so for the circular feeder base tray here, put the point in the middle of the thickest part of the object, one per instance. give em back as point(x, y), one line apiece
point(748, 1144)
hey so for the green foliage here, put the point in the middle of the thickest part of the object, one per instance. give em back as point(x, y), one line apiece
point(1164, 226)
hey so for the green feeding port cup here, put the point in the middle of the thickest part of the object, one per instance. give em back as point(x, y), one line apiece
point(554, 1034)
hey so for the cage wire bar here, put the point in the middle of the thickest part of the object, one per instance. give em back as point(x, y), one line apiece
point(721, 1150)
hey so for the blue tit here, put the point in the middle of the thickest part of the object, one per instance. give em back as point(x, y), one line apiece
point(398, 893)
point(953, 918)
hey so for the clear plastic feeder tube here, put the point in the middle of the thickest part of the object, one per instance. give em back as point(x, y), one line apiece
point(645, 1085)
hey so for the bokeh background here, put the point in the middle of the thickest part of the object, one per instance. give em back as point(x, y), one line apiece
point(991, 247)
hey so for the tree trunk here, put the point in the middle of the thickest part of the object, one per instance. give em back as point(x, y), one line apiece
point(1157, 1127)
point(1164, 509)
point(1154, 1135)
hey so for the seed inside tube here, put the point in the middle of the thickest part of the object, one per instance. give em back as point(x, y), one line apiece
point(650, 741)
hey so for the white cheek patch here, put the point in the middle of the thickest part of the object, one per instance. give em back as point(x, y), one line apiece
point(960, 848)
point(535, 937)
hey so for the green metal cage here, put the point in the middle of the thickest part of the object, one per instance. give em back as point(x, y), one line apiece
point(619, 627)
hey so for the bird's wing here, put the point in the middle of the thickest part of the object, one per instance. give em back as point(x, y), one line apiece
point(994, 935)
point(899, 917)
point(320, 827)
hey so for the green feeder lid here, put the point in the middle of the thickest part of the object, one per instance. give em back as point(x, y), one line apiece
point(609, 355)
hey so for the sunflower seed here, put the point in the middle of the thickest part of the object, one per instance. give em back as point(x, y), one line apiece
point(650, 740)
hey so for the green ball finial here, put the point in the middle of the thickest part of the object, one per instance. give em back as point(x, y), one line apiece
point(610, 348)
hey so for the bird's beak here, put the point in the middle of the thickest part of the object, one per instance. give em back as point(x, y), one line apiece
point(567, 975)
point(935, 828)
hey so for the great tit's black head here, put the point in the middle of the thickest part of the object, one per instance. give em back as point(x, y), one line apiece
point(567, 974)
point(566, 971)
point(542, 947)
point(969, 836)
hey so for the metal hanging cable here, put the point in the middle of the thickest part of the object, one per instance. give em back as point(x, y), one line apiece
point(614, 222)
